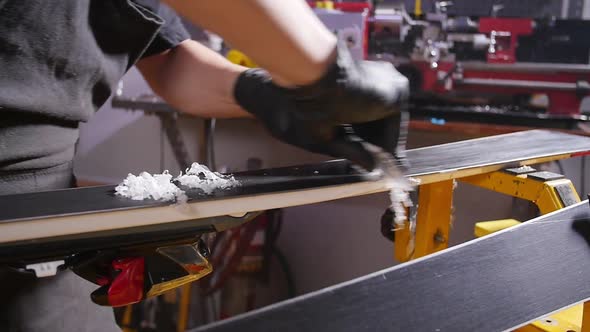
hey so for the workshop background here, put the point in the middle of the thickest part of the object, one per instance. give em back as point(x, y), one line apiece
point(137, 142)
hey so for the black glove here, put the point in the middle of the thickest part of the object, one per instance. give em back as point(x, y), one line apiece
point(353, 103)
point(389, 133)
point(354, 91)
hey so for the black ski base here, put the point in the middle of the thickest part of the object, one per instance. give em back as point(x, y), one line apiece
point(495, 283)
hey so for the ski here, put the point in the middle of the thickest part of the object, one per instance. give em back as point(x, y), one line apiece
point(45, 225)
point(496, 283)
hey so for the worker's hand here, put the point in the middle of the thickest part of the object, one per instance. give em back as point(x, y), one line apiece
point(352, 105)
point(353, 91)
point(388, 133)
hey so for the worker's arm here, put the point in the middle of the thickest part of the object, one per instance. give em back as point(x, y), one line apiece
point(195, 80)
point(312, 87)
point(284, 37)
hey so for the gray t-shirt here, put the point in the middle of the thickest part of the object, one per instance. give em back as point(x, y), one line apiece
point(60, 61)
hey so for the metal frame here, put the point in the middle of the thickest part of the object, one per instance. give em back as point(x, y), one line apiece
point(432, 223)
point(428, 230)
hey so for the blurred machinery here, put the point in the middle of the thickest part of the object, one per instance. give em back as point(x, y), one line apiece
point(507, 70)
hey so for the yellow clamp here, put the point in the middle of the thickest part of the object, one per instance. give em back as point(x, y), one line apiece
point(240, 58)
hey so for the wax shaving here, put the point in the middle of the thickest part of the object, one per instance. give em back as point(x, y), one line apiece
point(148, 186)
point(399, 186)
point(162, 187)
point(200, 177)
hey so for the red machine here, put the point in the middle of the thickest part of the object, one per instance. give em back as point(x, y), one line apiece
point(503, 34)
point(475, 61)
point(565, 85)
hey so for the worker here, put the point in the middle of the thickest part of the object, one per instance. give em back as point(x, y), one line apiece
point(60, 62)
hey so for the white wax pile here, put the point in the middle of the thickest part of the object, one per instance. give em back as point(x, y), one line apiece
point(161, 187)
point(145, 186)
point(199, 176)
